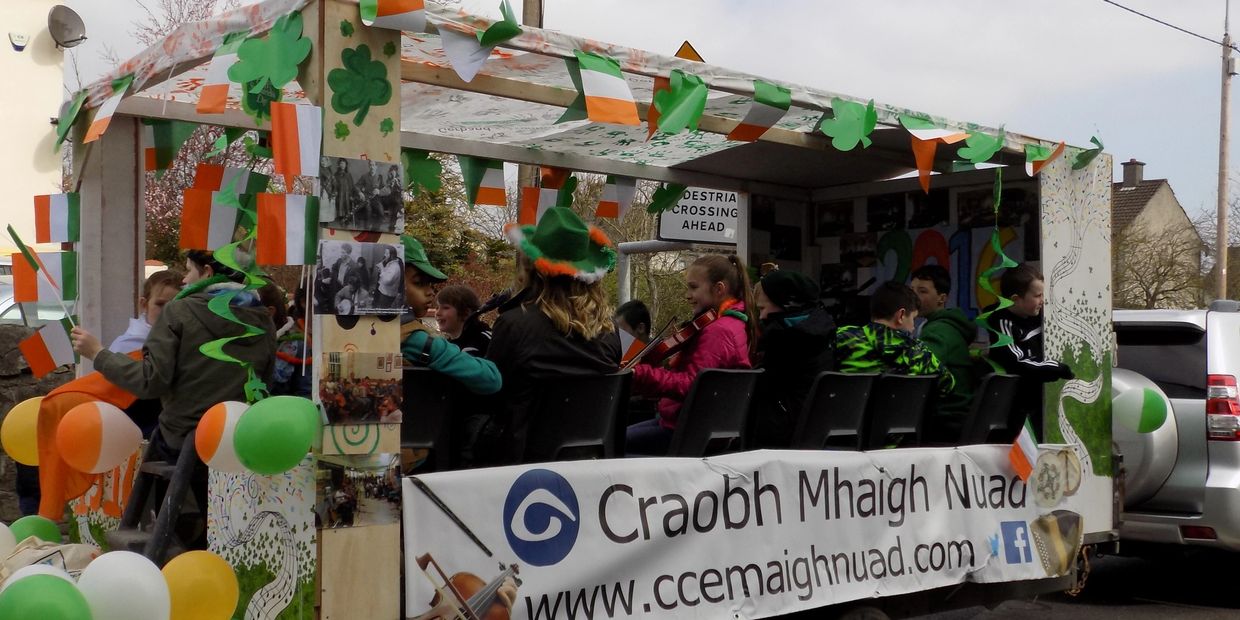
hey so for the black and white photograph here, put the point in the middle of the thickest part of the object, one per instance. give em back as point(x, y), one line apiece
point(835, 218)
point(360, 194)
point(354, 277)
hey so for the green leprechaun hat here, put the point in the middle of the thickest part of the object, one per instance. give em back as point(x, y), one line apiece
point(562, 245)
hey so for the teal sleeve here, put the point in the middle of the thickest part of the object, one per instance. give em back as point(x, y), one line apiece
point(478, 375)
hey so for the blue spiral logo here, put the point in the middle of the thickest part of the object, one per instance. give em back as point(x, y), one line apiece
point(541, 517)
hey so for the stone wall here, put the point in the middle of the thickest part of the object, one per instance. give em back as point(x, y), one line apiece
point(16, 385)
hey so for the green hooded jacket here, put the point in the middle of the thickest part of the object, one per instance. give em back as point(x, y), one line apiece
point(947, 333)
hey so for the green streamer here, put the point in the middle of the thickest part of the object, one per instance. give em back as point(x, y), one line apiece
point(1005, 262)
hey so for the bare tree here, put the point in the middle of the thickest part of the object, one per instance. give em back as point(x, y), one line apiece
point(1157, 267)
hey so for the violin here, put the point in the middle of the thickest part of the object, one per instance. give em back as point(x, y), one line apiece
point(480, 598)
point(667, 348)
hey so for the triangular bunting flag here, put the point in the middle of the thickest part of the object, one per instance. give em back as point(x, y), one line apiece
point(468, 51)
point(207, 223)
point(502, 30)
point(617, 197)
point(296, 139)
point(682, 104)
point(59, 281)
point(215, 177)
point(1037, 157)
point(57, 218)
point(770, 103)
point(288, 229)
point(217, 89)
point(576, 110)
point(1086, 157)
point(607, 95)
point(403, 15)
point(48, 348)
point(161, 140)
point(68, 114)
point(926, 136)
point(536, 200)
point(484, 181)
point(103, 116)
point(685, 52)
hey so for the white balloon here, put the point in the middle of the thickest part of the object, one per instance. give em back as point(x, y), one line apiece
point(35, 569)
point(122, 585)
point(7, 542)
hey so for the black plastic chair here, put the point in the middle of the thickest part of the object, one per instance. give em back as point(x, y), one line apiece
point(578, 418)
point(427, 416)
point(992, 418)
point(834, 414)
point(897, 410)
point(715, 414)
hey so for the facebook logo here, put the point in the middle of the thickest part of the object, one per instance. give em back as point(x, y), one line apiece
point(1016, 544)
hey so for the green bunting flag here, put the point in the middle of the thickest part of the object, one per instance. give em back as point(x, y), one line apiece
point(851, 123)
point(576, 111)
point(681, 106)
point(502, 30)
point(225, 140)
point(421, 171)
point(1086, 157)
point(68, 114)
point(161, 141)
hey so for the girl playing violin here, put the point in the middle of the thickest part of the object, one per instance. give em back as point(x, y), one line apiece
point(713, 283)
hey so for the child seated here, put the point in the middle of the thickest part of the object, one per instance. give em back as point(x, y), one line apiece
point(159, 289)
point(886, 344)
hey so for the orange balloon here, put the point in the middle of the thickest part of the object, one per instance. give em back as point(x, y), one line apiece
point(95, 437)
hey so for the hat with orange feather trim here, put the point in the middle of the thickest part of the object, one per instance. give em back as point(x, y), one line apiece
point(564, 246)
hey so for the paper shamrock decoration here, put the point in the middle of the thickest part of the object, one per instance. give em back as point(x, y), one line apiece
point(501, 30)
point(682, 104)
point(979, 147)
point(1086, 157)
point(265, 65)
point(850, 124)
point(422, 172)
point(665, 197)
point(359, 84)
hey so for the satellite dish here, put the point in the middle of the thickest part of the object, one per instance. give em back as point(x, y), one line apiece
point(65, 26)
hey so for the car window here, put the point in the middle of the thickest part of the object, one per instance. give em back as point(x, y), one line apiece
point(12, 315)
point(1171, 355)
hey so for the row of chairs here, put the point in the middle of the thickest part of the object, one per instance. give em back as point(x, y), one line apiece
point(585, 417)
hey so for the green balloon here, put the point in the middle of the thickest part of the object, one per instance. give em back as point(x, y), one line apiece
point(274, 434)
point(45, 597)
point(34, 525)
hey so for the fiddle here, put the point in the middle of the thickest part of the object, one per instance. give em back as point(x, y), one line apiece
point(477, 599)
point(667, 348)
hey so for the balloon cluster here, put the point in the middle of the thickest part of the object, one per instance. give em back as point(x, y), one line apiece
point(122, 585)
point(269, 437)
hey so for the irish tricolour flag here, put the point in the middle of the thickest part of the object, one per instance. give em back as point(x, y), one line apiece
point(617, 197)
point(484, 180)
point(235, 180)
point(217, 88)
point(406, 15)
point(288, 229)
point(608, 98)
point(925, 137)
point(57, 218)
point(1024, 452)
point(48, 348)
point(1038, 157)
point(60, 283)
point(103, 116)
point(296, 137)
point(536, 200)
point(770, 104)
point(208, 219)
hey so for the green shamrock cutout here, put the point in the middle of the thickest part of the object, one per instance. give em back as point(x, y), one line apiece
point(665, 197)
point(501, 30)
point(359, 84)
point(389, 49)
point(851, 123)
point(387, 126)
point(681, 105)
point(342, 130)
point(267, 64)
point(346, 28)
point(422, 172)
point(980, 147)
point(564, 198)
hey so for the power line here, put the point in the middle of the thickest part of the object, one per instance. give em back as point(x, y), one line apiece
point(1169, 25)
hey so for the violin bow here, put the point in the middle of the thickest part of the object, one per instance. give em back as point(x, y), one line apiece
point(451, 515)
point(650, 345)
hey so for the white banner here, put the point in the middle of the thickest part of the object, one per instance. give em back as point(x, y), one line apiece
point(747, 535)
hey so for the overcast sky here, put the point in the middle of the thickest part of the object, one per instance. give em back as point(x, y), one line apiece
point(1055, 69)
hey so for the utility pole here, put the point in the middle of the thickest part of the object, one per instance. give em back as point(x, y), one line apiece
point(1224, 127)
point(531, 15)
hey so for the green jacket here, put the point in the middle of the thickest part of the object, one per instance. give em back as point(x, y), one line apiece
point(878, 348)
point(477, 375)
point(173, 370)
point(947, 333)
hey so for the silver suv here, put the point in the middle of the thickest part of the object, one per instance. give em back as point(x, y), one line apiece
point(1182, 482)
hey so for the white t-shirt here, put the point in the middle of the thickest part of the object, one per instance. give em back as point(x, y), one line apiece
point(133, 338)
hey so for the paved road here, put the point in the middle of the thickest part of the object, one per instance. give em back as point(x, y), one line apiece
point(1196, 586)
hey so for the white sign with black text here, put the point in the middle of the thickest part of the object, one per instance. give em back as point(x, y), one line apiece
point(703, 215)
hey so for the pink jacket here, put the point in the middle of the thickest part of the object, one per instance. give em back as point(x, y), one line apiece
point(722, 344)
